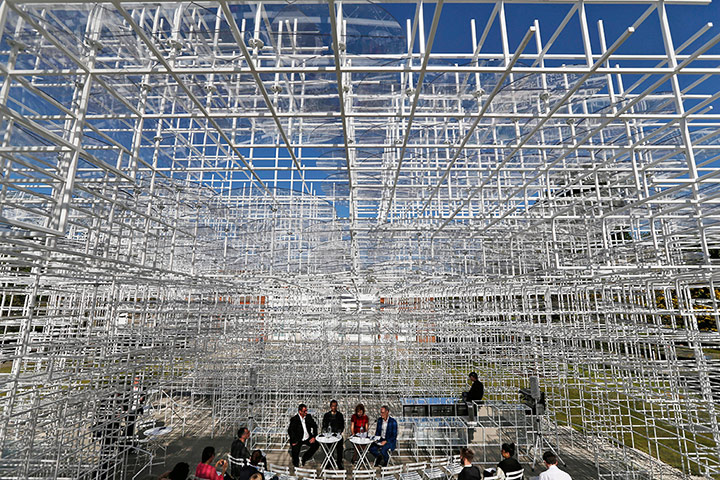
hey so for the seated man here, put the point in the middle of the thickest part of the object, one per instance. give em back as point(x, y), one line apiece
point(239, 450)
point(387, 431)
point(334, 422)
point(302, 430)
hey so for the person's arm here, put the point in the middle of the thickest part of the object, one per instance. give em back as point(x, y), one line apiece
point(165, 475)
point(222, 464)
point(312, 427)
point(392, 430)
point(352, 425)
point(341, 421)
point(293, 440)
point(326, 421)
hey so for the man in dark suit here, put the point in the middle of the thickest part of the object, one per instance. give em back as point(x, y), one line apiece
point(387, 431)
point(302, 430)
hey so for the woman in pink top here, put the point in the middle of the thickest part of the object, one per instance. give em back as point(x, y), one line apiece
point(206, 470)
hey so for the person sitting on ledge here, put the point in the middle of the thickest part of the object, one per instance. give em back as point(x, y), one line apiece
point(206, 470)
point(509, 464)
point(469, 471)
point(387, 431)
point(476, 389)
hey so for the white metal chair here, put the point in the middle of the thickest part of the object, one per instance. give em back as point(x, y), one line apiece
point(517, 475)
point(388, 473)
point(414, 475)
point(305, 472)
point(415, 466)
point(278, 469)
point(334, 474)
point(434, 473)
point(364, 474)
point(439, 461)
point(453, 468)
point(233, 461)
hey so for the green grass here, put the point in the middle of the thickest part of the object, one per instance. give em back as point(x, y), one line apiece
point(635, 428)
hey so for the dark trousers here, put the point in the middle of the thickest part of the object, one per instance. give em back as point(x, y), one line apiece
point(383, 451)
point(339, 452)
point(295, 451)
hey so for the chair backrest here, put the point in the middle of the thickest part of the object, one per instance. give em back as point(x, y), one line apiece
point(390, 471)
point(415, 467)
point(240, 462)
point(453, 468)
point(334, 474)
point(517, 475)
point(305, 472)
point(414, 475)
point(438, 461)
point(363, 474)
point(278, 469)
point(434, 472)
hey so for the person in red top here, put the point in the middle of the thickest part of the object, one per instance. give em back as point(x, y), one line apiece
point(359, 421)
point(206, 470)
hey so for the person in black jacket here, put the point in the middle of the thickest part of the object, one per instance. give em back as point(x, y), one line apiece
point(239, 450)
point(509, 464)
point(469, 471)
point(334, 422)
point(476, 389)
point(302, 430)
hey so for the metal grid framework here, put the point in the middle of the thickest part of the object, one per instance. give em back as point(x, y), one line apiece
point(259, 203)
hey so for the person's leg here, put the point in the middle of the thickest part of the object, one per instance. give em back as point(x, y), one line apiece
point(375, 452)
point(295, 453)
point(339, 449)
point(311, 451)
point(385, 454)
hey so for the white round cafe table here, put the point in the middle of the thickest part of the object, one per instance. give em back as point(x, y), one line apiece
point(157, 431)
point(328, 442)
point(362, 447)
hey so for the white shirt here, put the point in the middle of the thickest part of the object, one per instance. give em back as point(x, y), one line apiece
point(383, 431)
point(554, 473)
point(306, 435)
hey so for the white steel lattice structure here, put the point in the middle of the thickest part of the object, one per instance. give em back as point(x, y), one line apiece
point(253, 204)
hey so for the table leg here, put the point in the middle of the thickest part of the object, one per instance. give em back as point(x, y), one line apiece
point(329, 450)
point(362, 452)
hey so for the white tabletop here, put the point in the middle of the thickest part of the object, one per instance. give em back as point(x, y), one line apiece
point(328, 438)
point(154, 432)
point(362, 440)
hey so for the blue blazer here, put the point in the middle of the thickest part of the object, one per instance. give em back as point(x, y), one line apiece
point(390, 434)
